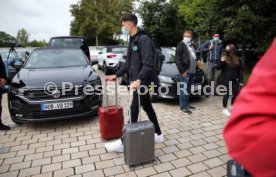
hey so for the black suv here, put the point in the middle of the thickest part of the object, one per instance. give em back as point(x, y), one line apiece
point(51, 85)
point(70, 42)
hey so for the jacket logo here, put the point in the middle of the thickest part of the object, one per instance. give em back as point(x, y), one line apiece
point(134, 48)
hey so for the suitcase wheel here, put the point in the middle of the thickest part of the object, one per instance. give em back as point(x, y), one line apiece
point(155, 162)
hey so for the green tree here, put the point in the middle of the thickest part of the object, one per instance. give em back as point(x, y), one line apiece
point(239, 21)
point(36, 43)
point(22, 37)
point(99, 17)
point(6, 39)
point(201, 16)
point(162, 21)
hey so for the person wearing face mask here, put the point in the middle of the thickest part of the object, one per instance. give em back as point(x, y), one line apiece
point(140, 69)
point(231, 75)
point(213, 48)
point(186, 62)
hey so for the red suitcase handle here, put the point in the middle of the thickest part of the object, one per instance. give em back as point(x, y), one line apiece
point(116, 96)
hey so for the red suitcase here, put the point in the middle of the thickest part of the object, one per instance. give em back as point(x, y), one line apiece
point(111, 119)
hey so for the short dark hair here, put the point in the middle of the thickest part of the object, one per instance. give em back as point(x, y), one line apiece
point(189, 32)
point(131, 18)
point(215, 33)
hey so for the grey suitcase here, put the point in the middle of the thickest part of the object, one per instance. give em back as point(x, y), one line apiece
point(138, 139)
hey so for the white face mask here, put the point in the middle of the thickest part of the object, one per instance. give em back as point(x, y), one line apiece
point(186, 40)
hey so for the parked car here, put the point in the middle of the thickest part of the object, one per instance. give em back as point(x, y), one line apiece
point(169, 76)
point(94, 53)
point(11, 60)
point(30, 100)
point(109, 57)
point(70, 42)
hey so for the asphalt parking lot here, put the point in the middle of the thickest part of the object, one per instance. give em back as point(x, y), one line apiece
point(193, 145)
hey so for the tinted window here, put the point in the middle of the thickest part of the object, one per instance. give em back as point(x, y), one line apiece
point(67, 42)
point(169, 55)
point(56, 58)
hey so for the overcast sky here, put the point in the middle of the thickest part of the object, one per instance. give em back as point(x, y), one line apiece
point(41, 18)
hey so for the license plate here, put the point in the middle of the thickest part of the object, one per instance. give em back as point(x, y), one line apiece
point(56, 106)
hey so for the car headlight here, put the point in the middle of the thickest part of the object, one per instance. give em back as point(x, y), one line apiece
point(19, 91)
point(165, 79)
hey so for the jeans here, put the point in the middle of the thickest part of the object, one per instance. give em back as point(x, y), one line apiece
point(212, 72)
point(147, 106)
point(185, 82)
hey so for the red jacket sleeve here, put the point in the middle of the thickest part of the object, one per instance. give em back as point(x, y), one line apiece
point(250, 134)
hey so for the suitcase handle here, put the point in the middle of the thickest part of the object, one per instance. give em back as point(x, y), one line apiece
point(139, 105)
point(116, 96)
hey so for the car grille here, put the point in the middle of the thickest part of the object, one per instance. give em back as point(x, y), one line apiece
point(38, 95)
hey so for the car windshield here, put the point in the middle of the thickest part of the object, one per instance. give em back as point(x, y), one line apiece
point(169, 55)
point(118, 50)
point(56, 58)
point(67, 42)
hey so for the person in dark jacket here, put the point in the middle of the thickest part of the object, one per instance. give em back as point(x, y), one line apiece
point(139, 66)
point(213, 48)
point(3, 81)
point(186, 62)
point(231, 75)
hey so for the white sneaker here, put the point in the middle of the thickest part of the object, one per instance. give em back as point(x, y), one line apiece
point(115, 146)
point(226, 112)
point(158, 138)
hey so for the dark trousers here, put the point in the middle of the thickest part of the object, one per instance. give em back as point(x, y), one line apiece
point(235, 91)
point(147, 106)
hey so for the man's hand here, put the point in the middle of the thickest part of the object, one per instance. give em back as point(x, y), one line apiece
point(2, 82)
point(241, 84)
point(135, 85)
point(185, 74)
point(111, 78)
point(199, 62)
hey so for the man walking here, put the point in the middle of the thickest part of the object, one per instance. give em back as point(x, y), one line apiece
point(3, 81)
point(213, 48)
point(186, 62)
point(139, 66)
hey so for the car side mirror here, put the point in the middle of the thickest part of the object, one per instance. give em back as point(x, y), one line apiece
point(100, 52)
point(27, 54)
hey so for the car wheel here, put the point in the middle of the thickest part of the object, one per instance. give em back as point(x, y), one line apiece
point(105, 69)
